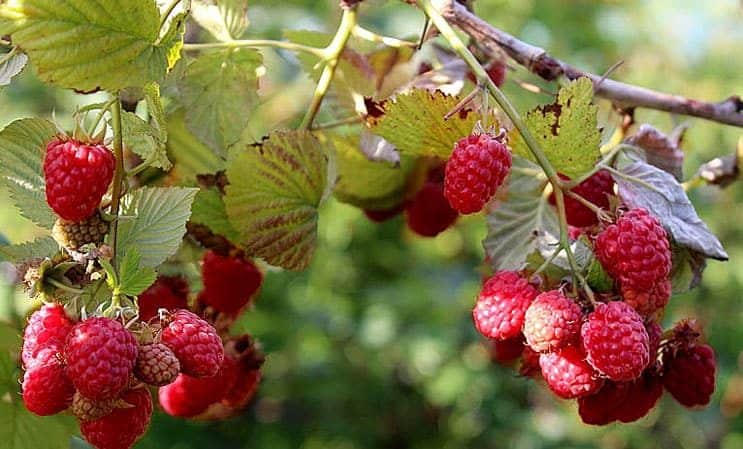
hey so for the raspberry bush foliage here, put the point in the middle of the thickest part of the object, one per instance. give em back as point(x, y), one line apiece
point(171, 195)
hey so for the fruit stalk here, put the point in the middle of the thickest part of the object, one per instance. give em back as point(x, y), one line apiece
point(256, 43)
point(118, 174)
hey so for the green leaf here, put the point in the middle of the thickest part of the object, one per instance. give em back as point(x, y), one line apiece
point(274, 192)
point(145, 139)
point(91, 44)
point(227, 20)
point(567, 131)
point(219, 91)
point(414, 123)
point(159, 223)
point(20, 429)
point(22, 148)
point(133, 278)
point(112, 279)
point(368, 184)
point(523, 222)
point(39, 248)
point(190, 157)
point(11, 66)
point(208, 209)
point(688, 266)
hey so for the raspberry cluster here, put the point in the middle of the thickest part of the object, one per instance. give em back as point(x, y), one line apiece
point(610, 354)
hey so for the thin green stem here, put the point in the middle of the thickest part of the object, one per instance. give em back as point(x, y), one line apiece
point(118, 174)
point(63, 286)
point(168, 11)
point(6, 57)
point(631, 178)
point(106, 106)
point(332, 54)
point(602, 164)
point(257, 43)
point(549, 260)
point(337, 123)
point(143, 166)
point(371, 36)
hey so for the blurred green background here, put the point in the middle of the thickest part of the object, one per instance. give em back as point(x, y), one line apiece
point(373, 346)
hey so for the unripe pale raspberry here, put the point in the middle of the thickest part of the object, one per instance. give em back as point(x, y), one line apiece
point(597, 189)
point(195, 342)
point(156, 365)
point(45, 334)
point(568, 374)
point(168, 292)
point(504, 298)
point(428, 214)
point(616, 342)
point(72, 235)
point(85, 409)
point(476, 168)
point(621, 401)
point(77, 176)
point(689, 375)
point(635, 250)
point(121, 428)
point(650, 302)
point(189, 396)
point(551, 322)
point(46, 388)
point(100, 355)
point(229, 282)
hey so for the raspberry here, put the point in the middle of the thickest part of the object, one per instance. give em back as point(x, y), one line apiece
point(195, 342)
point(382, 215)
point(567, 373)
point(530, 363)
point(508, 350)
point(655, 335)
point(77, 176)
point(690, 375)
point(477, 167)
point(168, 293)
point(100, 356)
point(85, 409)
point(429, 213)
point(189, 396)
point(642, 395)
point(649, 302)
point(551, 322)
point(597, 190)
point(635, 250)
point(229, 282)
point(121, 428)
point(244, 388)
point(46, 388)
point(156, 365)
point(496, 70)
point(616, 341)
point(621, 401)
point(499, 312)
point(45, 334)
point(72, 235)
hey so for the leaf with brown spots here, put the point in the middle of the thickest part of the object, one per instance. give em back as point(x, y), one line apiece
point(272, 199)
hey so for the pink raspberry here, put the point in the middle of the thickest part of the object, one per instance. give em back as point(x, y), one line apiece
point(121, 428)
point(77, 176)
point(100, 355)
point(499, 312)
point(616, 341)
point(476, 168)
point(229, 282)
point(567, 373)
point(635, 250)
point(189, 396)
point(551, 322)
point(195, 342)
point(45, 334)
point(597, 189)
point(650, 302)
point(689, 375)
point(46, 388)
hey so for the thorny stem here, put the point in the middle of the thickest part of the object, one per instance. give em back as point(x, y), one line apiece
point(371, 36)
point(332, 54)
point(118, 174)
point(257, 43)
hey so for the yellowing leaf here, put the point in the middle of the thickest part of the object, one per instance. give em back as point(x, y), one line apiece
point(274, 192)
point(90, 44)
point(567, 130)
point(414, 123)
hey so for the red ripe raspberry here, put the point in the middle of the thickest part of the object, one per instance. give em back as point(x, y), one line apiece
point(690, 375)
point(169, 293)
point(77, 176)
point(506, 351)
point(156, 365)
point(189, 396)
point(616, 341)
point(551, 322)
point(499, 312)
point(382, 215)
point(597, 189)
point(121, 428)
point(477, 167)
point(642, 395)
point(229, 282)
point(655, 335)
point(649, 302)
point(46, 388)
point(635, 250)
point(100, 356)
point(195, 342)
point(244, 388)
point(567, 373)
point(429, 213)
point(621, 401)
point(45, 334)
